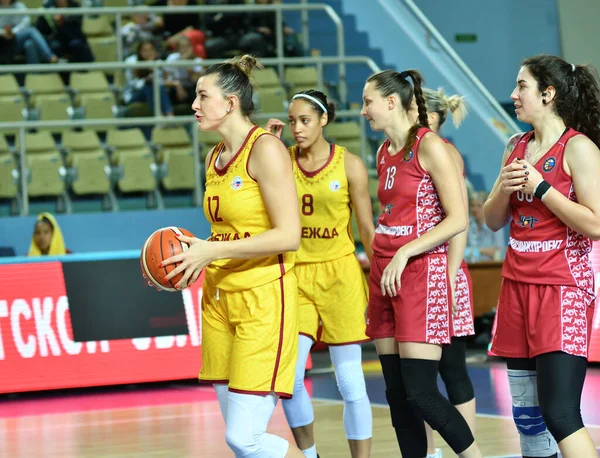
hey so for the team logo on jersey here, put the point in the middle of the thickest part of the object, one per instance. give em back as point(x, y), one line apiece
point(409, 157)
point(527, 221)
point(549, 164)
point(382, 160)
point(236, 183)
point(388, 209)
point(335, 185)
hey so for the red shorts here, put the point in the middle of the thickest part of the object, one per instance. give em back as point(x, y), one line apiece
point(421, 311)
point(537, 319)
point(462, 321)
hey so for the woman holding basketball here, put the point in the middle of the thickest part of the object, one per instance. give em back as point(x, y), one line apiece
point(409, 315)
point(331, 183)
point(548, 190)
point(249, 305)
point(453, 367)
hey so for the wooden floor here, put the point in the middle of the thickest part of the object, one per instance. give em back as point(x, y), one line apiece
point(184, 421)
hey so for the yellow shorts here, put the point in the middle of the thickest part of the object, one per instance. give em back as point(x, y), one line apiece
point(250, 337)
point(334, 294)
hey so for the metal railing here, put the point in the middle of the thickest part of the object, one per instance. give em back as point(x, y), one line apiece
point(318, 61)
point(461, 65)
point(279, 9)
point(161, 121)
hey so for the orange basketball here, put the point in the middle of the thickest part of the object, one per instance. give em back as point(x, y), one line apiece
point(161, 245)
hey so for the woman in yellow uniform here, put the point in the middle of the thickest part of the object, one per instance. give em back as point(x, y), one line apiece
point(332, 289)
point(249, 299)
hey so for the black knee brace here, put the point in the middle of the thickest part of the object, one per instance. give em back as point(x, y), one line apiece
point(408, 424)
point(453, 370)
point(420, 382)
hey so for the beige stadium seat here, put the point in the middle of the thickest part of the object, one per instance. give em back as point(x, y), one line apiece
point(9, 85)
point(89, 82)
point(44, 83)
point(8, 187)
point(135, 159)
point(272, 100)
point(208, 139)
point(177, 154)
point(54, 108)
point(98, 106)
point(341, 131)
point(88, 158)
point(98, 26)
point(104, 49)
point(301, 79)
point(12, 110)
point(266, 78)
point(45, 165)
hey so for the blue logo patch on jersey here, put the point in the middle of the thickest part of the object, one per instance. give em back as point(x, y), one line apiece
point(549, 164)
point(410, 156)
point(388, 209)
point(335, 185)
point(236, 183)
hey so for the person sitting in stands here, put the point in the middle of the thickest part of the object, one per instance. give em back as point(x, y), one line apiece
point(47, 237)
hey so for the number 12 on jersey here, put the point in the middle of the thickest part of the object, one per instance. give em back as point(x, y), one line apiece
point(214, 213)
point(389, 180)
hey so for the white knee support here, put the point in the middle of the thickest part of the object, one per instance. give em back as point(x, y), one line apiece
point(536, 440)
point(247, 419)
point(222, 389)
point(358, 419)
point(299, 410)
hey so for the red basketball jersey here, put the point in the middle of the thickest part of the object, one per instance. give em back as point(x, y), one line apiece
point(409, 201)
point(541, 248)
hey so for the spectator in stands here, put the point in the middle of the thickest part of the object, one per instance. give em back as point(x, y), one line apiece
point(140, 87)
point(482, 243)
point(141, 27)
point(261, 36)
point(47, 237)
point(175, 25)
point(181, 81)
point(253, 33)
point(63, 33)
point(18, 36)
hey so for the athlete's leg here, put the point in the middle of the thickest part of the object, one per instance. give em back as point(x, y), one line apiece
point(246, 428)
point(453, 370)
point(560, 383)
point(299, 410)
point(419, 362)
point(358, 418)
point(536, 440)
point(407, 422)
point(454, 373)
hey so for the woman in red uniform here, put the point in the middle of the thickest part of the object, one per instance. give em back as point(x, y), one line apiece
point(410, 294)
point(549, 192)
point(453, 367)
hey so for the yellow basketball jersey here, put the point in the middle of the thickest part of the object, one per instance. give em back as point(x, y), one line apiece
point(234, 206)
point(325, 209)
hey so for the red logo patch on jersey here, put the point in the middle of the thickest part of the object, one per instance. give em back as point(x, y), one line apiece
point(549, 164)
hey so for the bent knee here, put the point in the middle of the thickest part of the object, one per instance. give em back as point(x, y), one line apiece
point(562, 422)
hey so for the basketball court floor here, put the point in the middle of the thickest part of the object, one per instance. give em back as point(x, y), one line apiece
point(182, 419)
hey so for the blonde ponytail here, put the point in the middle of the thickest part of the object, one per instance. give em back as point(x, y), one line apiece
point(457, 108)
point(440, 103)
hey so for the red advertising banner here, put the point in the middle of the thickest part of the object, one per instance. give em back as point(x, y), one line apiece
point(37, 351)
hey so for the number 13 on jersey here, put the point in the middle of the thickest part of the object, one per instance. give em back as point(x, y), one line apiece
point(390, 177)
